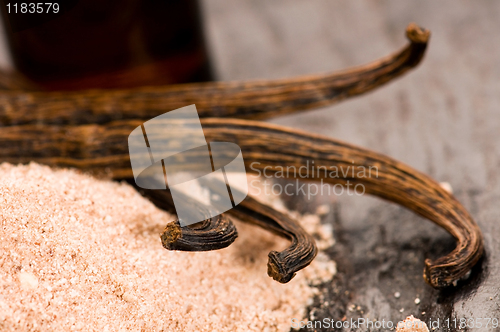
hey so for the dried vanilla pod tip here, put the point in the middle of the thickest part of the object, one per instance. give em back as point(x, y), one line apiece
point(250, 100)
point(210, 234)
point(283, 265)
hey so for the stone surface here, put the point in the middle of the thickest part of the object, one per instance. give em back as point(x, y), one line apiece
point(443, 119)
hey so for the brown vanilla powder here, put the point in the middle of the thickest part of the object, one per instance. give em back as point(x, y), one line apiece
point(84, 254)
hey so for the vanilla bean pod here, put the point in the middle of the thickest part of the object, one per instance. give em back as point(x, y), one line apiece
point(251, 100)
point(89, 130)
point(93, 147)
point(283, 265)
point(210, 234)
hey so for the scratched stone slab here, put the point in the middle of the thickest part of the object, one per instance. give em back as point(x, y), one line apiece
point(443, 119)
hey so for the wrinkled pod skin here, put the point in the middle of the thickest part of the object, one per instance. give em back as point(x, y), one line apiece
point(270, 147)
point(247, 100)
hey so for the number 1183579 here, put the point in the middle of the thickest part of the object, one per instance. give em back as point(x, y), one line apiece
point(33, 8)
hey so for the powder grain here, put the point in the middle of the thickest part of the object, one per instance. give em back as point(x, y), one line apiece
point(83, 254)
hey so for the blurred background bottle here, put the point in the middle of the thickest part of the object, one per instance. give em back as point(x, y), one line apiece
point(109, 43)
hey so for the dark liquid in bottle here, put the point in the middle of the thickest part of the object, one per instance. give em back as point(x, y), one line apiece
point(109, 44)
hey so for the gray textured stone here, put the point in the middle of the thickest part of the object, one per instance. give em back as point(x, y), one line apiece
point(443, 119)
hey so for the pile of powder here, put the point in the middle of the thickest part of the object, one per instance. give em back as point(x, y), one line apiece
point(79, 253)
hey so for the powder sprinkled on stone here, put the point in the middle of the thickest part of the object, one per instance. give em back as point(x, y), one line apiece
point(412, 324)
point(85, 254)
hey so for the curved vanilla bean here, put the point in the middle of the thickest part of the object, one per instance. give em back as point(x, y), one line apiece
point(95, 147)
point(219, 232)
point(210, 234)
point(282, 265)
point(252, 100)
point(272, 147)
